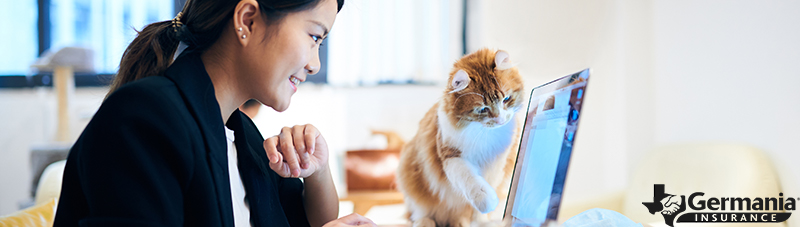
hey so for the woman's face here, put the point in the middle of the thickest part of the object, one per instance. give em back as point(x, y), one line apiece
point(278, 61)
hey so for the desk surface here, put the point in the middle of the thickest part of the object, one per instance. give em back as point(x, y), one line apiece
point(364, 200)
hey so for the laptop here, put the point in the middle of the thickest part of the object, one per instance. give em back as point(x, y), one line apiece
point(545, 150)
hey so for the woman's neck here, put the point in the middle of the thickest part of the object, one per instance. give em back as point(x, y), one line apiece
point(222, 73)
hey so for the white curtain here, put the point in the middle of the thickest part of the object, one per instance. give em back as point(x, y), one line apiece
point(394, 41)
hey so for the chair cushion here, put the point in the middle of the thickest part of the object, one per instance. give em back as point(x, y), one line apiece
point(36, 216)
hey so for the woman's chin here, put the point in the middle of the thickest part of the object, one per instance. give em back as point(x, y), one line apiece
point(280, 107)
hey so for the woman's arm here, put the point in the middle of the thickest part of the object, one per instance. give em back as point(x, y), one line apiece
point(320, 198)
point(301, 151)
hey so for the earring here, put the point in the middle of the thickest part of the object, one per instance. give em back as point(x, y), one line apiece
point(244, 36)
point(239, 30)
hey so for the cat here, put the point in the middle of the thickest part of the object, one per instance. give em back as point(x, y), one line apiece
point(465, 147)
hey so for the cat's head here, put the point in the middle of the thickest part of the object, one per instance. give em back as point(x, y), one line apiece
point(484, 87)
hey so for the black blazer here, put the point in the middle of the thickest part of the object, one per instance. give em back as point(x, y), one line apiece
point(155, 154)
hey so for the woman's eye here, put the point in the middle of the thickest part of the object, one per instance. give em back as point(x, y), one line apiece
point(507, 98)
point(315, 38)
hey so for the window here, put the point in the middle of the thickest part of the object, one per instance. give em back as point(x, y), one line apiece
point(373, 42)
point(107, 27)
point(394, 41)
point(19, 36)
point(103, 26)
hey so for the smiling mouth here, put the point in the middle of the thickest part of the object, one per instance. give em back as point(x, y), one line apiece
point(295, 80)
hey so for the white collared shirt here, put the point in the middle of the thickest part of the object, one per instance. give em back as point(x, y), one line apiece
point(241, 210)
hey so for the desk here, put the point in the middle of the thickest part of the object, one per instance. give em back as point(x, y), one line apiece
point(364, 200)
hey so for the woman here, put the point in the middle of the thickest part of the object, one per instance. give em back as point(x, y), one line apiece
point(168, 146)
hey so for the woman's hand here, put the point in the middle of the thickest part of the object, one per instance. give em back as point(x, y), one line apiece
point(298, 151)
point(351, 220)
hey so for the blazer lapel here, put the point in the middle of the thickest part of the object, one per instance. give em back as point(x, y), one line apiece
point(192, 80)
point(260, 192)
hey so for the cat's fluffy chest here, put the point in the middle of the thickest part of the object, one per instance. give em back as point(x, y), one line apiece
point(478, 144)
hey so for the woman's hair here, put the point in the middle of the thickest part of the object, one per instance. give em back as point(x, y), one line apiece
point(201, 23)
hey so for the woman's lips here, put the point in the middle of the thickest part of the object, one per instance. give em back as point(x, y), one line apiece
point(294, 81)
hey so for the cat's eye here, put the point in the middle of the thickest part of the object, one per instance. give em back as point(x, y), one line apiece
point(482, 109)
point(506, 99)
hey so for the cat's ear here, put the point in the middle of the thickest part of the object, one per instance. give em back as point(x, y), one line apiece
point(501, 60)
point(460, 81)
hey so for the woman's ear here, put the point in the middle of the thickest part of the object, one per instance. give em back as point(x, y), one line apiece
point(244, 19)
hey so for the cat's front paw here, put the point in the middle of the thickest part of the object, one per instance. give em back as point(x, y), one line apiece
point(424, 222)
point(484, 198)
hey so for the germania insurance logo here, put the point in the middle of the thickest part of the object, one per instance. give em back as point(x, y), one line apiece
point(732, 209)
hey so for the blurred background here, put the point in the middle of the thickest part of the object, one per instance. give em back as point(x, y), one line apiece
point(665, 72)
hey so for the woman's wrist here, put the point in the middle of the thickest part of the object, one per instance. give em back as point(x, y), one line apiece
point(320, 198)
point(323, 173)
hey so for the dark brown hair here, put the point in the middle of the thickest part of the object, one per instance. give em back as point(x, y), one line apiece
point(150, 53)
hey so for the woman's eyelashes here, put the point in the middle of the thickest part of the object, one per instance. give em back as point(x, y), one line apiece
point(317, 39)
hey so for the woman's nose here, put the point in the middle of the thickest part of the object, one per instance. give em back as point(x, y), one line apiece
point(313, 66)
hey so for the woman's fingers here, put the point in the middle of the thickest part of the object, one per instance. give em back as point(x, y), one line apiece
point(270, 145)
point(289, 152)
point(300, 145)
point(310, 136)
point(356, 219)
point(275, 158)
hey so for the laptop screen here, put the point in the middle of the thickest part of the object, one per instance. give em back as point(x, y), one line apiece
point(545, 149)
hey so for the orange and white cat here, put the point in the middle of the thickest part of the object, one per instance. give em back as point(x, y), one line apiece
point(464, 149)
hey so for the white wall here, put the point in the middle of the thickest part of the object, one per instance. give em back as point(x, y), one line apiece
point(727, 71)
point(15, 140)
point(29, 120)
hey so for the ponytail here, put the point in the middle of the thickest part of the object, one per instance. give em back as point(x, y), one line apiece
point(150, 53)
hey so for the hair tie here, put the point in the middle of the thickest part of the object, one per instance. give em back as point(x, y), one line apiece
point(182, 31)
point(176, 22)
